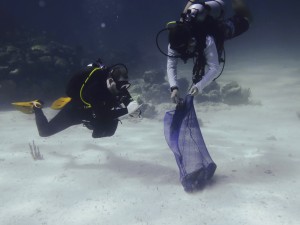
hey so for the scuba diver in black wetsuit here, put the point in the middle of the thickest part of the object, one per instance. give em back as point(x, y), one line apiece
point(97, 97)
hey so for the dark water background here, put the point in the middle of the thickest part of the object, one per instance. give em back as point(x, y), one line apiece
point(125, 30)
point(131, 25)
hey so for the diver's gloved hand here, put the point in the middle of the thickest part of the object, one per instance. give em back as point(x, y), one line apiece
point(175, 97)
point(194, 91)
point(132, 107)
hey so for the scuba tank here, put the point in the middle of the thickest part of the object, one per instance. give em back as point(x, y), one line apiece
point(199, 11)
point(215, 8)
point(77, 82)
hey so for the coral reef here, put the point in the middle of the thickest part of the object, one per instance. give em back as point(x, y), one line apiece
point(153, 89)
point(35, 152)
point(230, 93)
point(32, 66)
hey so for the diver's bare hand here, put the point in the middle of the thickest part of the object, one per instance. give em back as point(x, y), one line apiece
point(175, 97)
point(194, 91)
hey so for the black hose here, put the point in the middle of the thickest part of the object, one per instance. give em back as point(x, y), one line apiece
point(157, 45)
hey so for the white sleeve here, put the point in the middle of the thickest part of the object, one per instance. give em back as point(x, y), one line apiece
point(212, 64)
point(172, 67)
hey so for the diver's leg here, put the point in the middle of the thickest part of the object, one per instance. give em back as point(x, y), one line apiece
point(237, 24)
point(240, 8)
point(234, 27)
point(67, 117)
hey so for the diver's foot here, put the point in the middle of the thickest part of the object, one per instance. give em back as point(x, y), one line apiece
point(28, 107)
point(37, 104)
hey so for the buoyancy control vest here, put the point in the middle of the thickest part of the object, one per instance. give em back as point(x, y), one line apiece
point(200, 31)
point(79, 81)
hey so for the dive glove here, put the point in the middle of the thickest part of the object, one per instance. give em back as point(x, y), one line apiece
point(133, 110)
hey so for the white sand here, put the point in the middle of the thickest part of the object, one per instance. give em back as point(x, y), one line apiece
point(132, 177)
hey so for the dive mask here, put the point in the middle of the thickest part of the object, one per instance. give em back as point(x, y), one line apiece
point(122, 85)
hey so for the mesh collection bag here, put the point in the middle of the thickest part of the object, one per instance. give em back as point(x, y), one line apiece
point(183, 135)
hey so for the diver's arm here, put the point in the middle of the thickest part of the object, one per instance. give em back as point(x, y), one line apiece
point(172, 75)
point(103, 111)
point(116, 113)
point(212, 61)
point(172, 68)
point(125, 98)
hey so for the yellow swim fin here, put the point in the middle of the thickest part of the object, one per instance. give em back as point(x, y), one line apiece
point(26, 107)
point(60, 103)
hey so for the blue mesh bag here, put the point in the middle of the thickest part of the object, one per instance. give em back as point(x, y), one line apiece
point(183, 135)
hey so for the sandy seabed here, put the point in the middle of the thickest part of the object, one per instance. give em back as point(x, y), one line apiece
point(132, 178)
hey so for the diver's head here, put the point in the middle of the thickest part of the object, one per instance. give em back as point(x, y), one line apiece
point(195, 13)
point(117, 78)
point(179, 37)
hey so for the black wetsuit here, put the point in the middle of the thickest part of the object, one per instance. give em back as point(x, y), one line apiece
point(102, 117)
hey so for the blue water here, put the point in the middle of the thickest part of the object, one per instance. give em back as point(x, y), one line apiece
point(131, 25)
point(125, 30)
